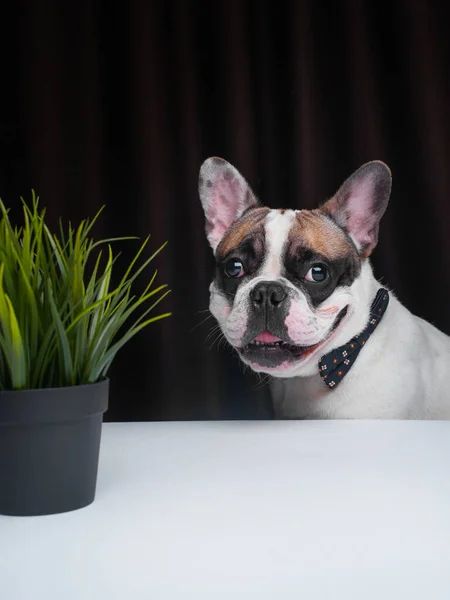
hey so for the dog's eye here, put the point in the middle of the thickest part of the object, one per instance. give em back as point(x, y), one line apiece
point(234, 268)
point(317, 274)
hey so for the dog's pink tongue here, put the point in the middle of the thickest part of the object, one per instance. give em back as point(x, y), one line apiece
point(267, 338)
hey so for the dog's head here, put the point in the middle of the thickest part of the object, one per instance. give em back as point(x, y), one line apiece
point(287, 281)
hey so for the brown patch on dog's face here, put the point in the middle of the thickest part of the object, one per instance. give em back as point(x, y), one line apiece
point(315, 240)
point(252, 222)
point(316, 232)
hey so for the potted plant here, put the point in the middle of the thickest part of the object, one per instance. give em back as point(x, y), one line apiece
point(62, 322)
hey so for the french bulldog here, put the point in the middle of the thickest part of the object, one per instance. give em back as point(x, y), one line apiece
point(295, 295)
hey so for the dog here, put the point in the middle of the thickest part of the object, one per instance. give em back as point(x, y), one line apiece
point(295, 295)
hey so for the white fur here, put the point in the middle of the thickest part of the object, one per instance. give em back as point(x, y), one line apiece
point(277, 227)
point(401, 373)
point(232, 320)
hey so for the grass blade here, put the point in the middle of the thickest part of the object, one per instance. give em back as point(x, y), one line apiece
point(60, 318)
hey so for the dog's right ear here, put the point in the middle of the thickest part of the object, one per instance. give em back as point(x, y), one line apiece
point(225, 196)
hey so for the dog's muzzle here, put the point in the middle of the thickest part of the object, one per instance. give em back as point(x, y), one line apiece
point(268, 296)
point(268, 307)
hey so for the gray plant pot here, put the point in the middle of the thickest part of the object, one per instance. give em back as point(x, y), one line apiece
point(49, 448)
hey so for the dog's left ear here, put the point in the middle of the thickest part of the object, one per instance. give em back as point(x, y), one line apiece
point(360, 203)
point(225, 196)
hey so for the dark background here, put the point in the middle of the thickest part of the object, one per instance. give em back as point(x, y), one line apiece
point(118, 103)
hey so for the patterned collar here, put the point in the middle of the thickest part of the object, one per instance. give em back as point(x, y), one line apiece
point(335, 365)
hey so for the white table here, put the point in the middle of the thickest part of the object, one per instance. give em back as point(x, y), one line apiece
point(241, 511)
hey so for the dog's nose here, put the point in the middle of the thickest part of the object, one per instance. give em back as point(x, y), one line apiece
point(268, 293)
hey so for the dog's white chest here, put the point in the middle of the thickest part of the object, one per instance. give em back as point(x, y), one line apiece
point(400, 374)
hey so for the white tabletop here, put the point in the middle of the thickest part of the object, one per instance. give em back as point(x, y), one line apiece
point(256, 510)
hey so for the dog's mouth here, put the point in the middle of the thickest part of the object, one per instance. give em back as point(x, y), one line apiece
point(268, 350)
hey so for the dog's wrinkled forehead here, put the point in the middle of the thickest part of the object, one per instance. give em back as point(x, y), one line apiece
point(277, 235)
point(315, 231)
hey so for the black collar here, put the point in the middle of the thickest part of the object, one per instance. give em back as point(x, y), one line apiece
point(335, 365)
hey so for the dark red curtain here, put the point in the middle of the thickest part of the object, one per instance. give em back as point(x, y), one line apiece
point(118, 103)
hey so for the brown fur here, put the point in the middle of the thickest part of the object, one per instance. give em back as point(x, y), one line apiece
point(251, 222)
point(313, 230)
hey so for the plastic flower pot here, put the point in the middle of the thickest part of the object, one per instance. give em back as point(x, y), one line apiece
point(49, 448)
